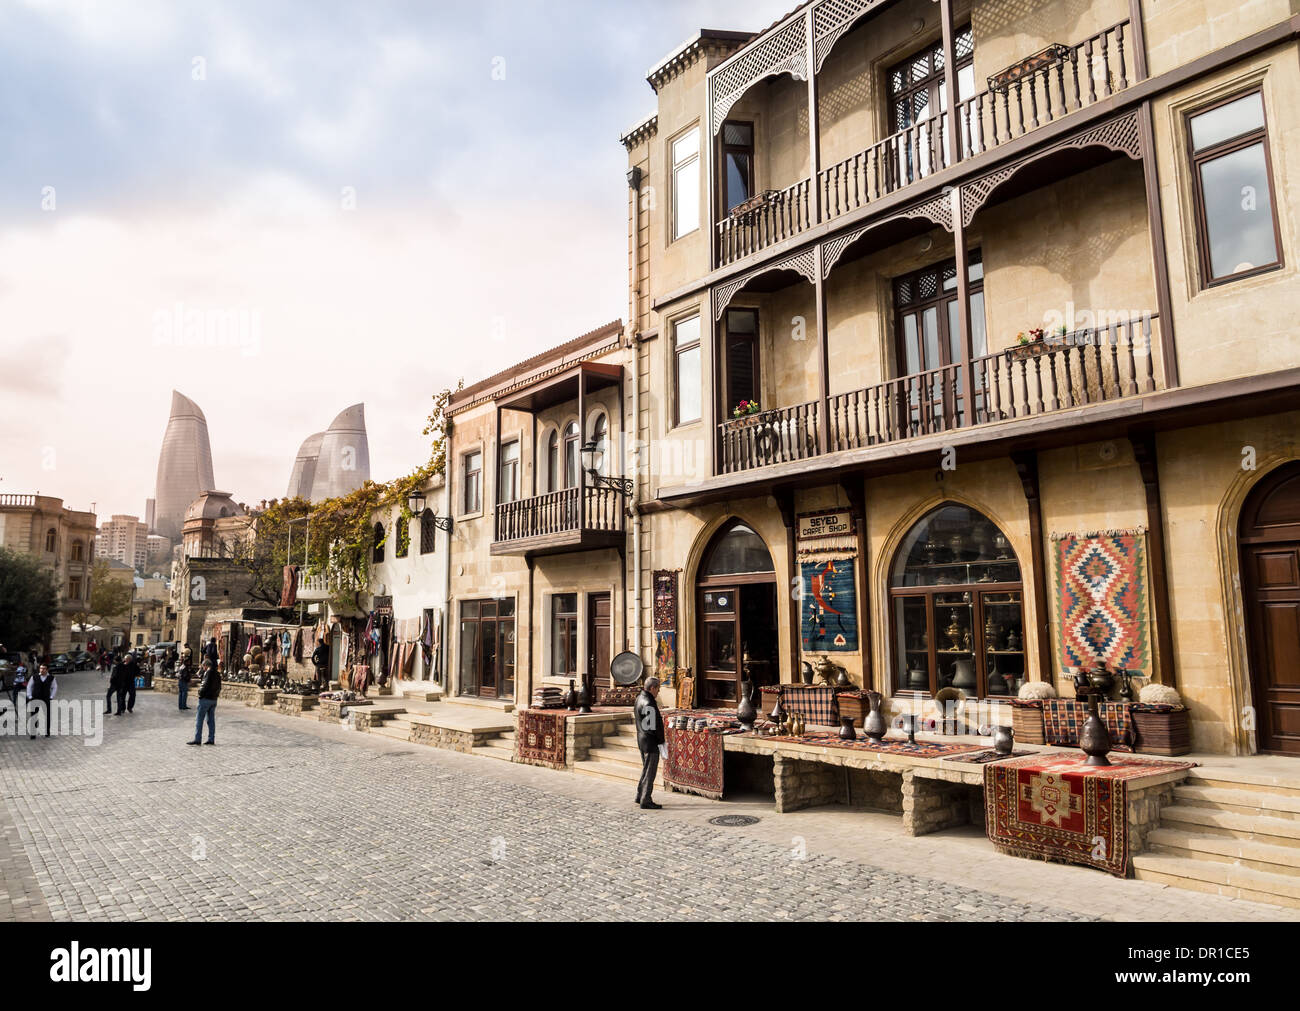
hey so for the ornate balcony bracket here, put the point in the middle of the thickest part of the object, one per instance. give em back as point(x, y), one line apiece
point(937, 210)
point(803, 264)
point(1119, 134)
point(783, 52)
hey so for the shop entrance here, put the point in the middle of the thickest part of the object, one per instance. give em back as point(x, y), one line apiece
point(599, 638)
point(1270, 577)
point(736, 608)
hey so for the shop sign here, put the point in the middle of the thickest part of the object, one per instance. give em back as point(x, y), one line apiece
point(384, 607)
point(825, 525)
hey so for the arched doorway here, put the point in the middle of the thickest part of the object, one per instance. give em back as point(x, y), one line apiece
point(1270, 587)
point(957, 606)
point(736, 616)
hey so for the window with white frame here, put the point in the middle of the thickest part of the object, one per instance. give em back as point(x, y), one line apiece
point(686, 183)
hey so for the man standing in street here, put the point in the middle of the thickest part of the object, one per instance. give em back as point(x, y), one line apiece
point(320, 659)
point(209, 689)
point(115, 687)
point(650, 741)
point(130, 668)
point(40, 693)
point(184, 674)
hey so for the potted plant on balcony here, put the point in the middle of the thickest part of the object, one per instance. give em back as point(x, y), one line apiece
point(745, 409)
point(1032, 343)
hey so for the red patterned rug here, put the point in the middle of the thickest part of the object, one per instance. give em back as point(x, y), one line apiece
point(1055, 807)
point(694, 762)
point(539, 737)
point(1064, 718)
point(892, 746)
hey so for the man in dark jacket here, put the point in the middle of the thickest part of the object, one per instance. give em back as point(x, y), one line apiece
point(40, 694)
point(211, 654)
point(116, 686)
point(649, 739)
point(209, 689)
point(126, 687)
point(320, 659)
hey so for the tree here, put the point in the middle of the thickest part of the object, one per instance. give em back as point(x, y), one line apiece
point(108, 597)
point(29, 601)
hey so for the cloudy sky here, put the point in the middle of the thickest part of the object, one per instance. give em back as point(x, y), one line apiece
point(358, 202)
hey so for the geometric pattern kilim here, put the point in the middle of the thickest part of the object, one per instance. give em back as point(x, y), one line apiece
point(1101, 596)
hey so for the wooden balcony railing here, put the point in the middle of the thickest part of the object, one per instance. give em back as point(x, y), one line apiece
point(1088, 366)
point(780, 215)
point(559, 512)
point(759, 440)
point(1073, 78)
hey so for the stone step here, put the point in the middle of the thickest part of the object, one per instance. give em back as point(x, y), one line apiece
point(396, 733)
point(403, 723)
point(623, 756)
point(469, 700)
point(619, 771)
point(498, 744)
point(1258, 826)
point(1235, 779)
point(1218, 878)
point(500, 754)
point(422, 694)
point(1257, 802)
point(1279, 860)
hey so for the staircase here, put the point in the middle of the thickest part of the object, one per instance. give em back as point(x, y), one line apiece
point(1230, 833)
point(616, 759)
point(501, 746)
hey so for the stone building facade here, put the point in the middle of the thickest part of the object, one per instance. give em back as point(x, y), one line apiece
point(63, 540)
point(1026, 375)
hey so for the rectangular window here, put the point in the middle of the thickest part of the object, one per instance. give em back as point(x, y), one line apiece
point(472, 500)
point(508, 489)
point(487, 648)
point(686, 183)
point(564, 635)
point(742, 357)
point(687, 380)
point(737, 163)
point(917, 94)
point(74, 588)
point(1236, 221)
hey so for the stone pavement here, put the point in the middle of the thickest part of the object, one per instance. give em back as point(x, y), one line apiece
point(291, 819)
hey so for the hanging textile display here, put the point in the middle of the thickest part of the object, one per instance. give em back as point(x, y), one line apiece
point(1101, 599)
point(665, 624)
point(829, 607)
point(289, 586)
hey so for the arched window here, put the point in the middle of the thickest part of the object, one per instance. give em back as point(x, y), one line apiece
point(78, 551)
point(51, 539)
point(739, 551)
point(955, 594)
point(572, 455)
point(553, 462)
point(378, 553)
point(428, 532)
point(600, 436)
point(403, 537)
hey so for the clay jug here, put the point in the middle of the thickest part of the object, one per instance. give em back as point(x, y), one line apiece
point(746, 711)
point(874, 726)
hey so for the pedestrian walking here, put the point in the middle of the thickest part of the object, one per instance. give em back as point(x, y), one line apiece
point(209, 689)
point(19, 684)
point(114, 663)
point(211, 654)
point(184, 674)
point(132, 666)
point(40, 693)
point(650, 741)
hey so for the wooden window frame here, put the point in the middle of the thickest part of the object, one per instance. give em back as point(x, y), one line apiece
point(564, 628)
point(933, 83)
point(1230, 146)
point(753, 339)
point(476, 507)
point(677, 349)
point(725, 149)
point(516, 487)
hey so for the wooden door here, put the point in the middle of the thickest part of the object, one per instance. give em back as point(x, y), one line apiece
point(1270, 567)
point(718, 680)
point(599, 637)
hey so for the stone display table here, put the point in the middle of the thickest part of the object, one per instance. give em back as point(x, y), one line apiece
point(296, 705)
point(333, 710)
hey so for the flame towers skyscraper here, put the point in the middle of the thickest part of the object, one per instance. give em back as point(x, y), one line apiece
point(184, 465)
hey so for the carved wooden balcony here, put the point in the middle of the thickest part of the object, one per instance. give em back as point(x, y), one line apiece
point(574, 519)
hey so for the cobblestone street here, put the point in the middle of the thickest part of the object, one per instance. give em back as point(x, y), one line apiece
point(286, 819)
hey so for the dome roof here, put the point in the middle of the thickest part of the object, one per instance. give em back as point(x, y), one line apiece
point(213, 505)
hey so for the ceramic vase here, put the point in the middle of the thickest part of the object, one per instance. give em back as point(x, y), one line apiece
point(847, 733)
point(1004, 739)
point(874, 725)
point(1094, 738)
point(746, 712)
point(571, 697)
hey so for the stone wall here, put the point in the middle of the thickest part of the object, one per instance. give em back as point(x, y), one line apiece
point(582, 733)
point(1144, 807)
point(442, 737)
point(930, 805)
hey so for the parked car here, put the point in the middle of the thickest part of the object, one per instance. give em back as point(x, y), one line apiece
point(81, 660)
point(8, 664)
point(61, 664)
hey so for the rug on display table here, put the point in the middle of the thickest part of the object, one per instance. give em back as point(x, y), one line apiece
point(1056, 807)
point(539, 737)
point(984, 757)
point(695, 757)
point(1064, 718)
point(891, 746)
